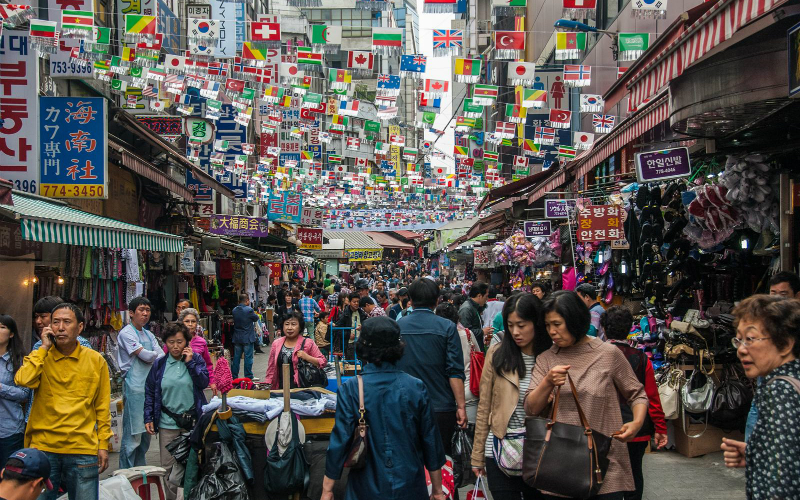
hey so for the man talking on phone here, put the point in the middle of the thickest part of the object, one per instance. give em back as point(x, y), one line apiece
point(70, 420)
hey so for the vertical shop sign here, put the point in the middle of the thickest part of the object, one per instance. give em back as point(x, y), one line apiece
point(599, 223)
point(73, 147)
point(285, 207)
point(225, 13)
point(19, 133)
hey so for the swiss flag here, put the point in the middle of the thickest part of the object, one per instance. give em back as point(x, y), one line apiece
point(509, 40)
point(560, 116)
point(580, 4)
point(520, 161)
point(265, 32)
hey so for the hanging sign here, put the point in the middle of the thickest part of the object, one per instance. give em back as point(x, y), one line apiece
point(73, 147)
point(364, 255)
point(599, 223)
point(310, 239)
point(239, 225)
point(285, 208)
point(662, 165)
point(558, 209)
point(198, 130)
point(311, 216)
point(481, 255)
point(537, 228)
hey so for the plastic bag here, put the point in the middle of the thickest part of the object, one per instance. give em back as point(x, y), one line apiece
point(222, 479)
point(179, 448)
point(479, 491)
point(461, 446)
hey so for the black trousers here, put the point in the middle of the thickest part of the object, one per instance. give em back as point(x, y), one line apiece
point(504, 487)
point(636, 453)
point(446, 422)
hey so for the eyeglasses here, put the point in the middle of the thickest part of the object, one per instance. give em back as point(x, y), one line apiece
point(747, 342)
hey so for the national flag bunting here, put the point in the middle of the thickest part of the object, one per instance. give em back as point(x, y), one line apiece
point(560, 118)
point(592, 103)
point(521, 73)
point(603, 123)
point(412, 66)
point(544, 135)
point(77, 24)
point(566, 152)
point(325, 38)
point(447, 42)
point(509, 44)
point(484, 94)
point(467, 70)
point(577, 75)
point(569, 45)
point(387, 41)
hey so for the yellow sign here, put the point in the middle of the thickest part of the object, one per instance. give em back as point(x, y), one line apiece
point(364, 255)
point(72, 190)
point(310, 246)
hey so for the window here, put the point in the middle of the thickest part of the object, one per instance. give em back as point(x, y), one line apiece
point(355, 23)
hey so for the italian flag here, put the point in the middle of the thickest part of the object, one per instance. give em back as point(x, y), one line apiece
point(387, 37)
point(309, 57)
point(44, 29)
point(77, 20)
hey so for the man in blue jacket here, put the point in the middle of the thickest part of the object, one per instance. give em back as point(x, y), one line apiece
point(244, 334)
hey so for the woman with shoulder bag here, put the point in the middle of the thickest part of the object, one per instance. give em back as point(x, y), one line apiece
point(400, 438)
point(497, 449)
point(173, 393)
point(601, 376)
point(291, 349)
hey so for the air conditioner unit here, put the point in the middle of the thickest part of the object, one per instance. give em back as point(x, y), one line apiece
point(484, 39)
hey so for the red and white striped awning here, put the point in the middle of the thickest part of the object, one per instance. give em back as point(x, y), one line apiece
point(644, 119)
point(550, 184)
point(714, 27)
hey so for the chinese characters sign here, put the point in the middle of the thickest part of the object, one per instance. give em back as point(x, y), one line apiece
point(364, 255)
point(72, 147)
point(558, 209)
point(537, 228)
point(663, 165)
point(285, 207)
point(238, 225)
point(19, 135)
point(310, 239)
point(599, 223)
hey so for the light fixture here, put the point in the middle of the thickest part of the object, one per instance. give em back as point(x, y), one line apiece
point(600, 257)
point(35, 280)
point(563, 269)
point(623, 268)
point(60, 280)
point(745, 243)
point(25, 282)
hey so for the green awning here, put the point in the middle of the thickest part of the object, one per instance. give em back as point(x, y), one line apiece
point(49, 222)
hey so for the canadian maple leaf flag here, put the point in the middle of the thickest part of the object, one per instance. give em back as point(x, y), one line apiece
point(359, 59)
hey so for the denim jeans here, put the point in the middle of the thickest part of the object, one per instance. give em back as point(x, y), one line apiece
point(248, 360)
point(133, 447)
point(78, 474)
point(10, 444)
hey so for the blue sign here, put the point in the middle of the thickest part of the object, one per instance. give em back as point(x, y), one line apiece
point(73, 147)
point(227, 130)
point(285, 207)
point(170, 27)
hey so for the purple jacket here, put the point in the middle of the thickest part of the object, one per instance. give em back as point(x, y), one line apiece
point(152, 388)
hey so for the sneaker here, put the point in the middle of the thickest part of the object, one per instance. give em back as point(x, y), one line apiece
point(255, 379)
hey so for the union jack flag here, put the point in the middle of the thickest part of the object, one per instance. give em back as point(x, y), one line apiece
point(446, 39)
point(603, 123)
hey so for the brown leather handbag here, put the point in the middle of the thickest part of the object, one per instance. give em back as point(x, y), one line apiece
point(565, 459)
point(357, 456)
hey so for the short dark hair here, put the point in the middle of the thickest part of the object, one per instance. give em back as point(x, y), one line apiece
point(381, 294)
point(493, 292)
point(323, 314)
point(295, 314)
point(45, 305)
point(780, 317)
point(569, 306)
point(307, 292)
point(173, 329)
point(243, 297)
point(365, 301)
point(587, 289)
point(135, 302)
point(423, 293)
point(478, 288)
point(337, 288)
point(354, 295)
point(72, 307)
point(616, 322)
point(786, 277)
point(448, 311)
point(182, 300)
point(380, 355)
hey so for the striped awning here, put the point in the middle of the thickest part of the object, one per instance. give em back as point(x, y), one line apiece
point(717, 25)
point(644, 119)
point(49, 222)
point(550, 184)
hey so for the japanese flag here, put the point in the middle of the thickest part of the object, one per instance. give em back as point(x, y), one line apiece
point(440, 171)
point(582, 140)
point(174, 63)
point(157, 105)
point(521, 71)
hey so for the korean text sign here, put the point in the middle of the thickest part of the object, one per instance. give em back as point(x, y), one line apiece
point(537, 228)
point(310, 239)
point(238, 225)
point(285, 207)
point(364, 255)
point(599, 223)
point(73, 147)
point(19, 133)
point(662, 165)
point(558, 209)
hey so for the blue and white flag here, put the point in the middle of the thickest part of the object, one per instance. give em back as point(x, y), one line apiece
point(388, 85)
point(413, 66)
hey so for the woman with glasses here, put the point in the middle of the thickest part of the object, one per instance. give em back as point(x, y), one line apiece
point(768, 345)
point(12, 432)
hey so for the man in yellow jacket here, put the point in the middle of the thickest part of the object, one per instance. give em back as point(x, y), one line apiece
point(70, 420)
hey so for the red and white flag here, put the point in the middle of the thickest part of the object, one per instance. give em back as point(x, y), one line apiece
point(353, 143)
point(505, 130)
point(521, 161)
point(360, 59)
point(559, 118)
point(361, 162)
point(582, 140)
point(509, 40)
point(521, 73)
point(265, 32)
point(397, 140)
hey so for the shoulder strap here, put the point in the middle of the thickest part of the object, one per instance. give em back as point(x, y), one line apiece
point(793, 381)
point(303, 345)
point(361, 410)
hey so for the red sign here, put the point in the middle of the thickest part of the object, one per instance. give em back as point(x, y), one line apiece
point(600, 223)
point(310, 239)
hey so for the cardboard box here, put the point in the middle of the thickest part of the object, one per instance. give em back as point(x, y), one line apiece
point(708, 442)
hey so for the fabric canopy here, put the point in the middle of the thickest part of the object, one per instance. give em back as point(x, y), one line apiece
point(387, 241)
point(50, 222)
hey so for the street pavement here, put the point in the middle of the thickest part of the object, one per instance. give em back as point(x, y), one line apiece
point(668, 474)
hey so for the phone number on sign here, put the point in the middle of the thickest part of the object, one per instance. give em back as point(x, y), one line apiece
point(72, 191)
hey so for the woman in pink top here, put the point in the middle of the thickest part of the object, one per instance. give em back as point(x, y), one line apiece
point(289, 349)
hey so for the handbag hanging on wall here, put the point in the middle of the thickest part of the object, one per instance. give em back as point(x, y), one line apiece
point(696, 397)
point(551, 445)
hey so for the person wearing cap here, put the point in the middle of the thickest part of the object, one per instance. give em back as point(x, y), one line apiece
point(402, 437)
point(362, 287)
point(25, 476)
point(70, 420)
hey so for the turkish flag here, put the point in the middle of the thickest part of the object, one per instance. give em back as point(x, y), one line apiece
point(560, 116)
point(234, 85)
point(509, 40)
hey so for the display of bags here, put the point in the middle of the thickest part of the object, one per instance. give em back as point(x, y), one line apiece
point(507, 452)
point(669, 392)
point(206, 267)
point(357, 456)
point(696, 397)
point(288, 473)
point(550, 445)
point(308, 374)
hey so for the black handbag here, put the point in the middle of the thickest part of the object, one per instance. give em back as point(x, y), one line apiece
point(288, 473)
point(550, 446)
point(185, 420)
point(731, 403)
point(308, 374)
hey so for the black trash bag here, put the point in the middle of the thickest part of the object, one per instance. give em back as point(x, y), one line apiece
point(179, 448)
point(461, 446)
point(221, 479)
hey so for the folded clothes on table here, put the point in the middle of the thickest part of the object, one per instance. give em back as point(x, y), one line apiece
point(271, 408)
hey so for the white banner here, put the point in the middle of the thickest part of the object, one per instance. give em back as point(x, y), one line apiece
point(19, 133)
point(225, 12)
